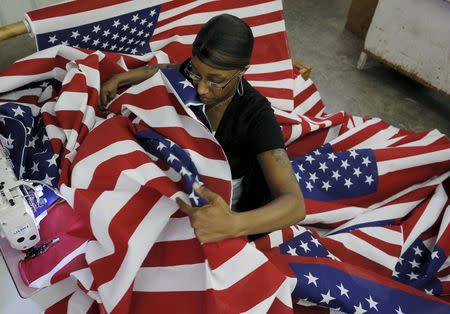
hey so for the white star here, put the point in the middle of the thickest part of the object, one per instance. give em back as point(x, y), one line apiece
point(326, 298)
point(353, 153)
point(142, 43)
point(366, 161)
point(430, 292)
point(417, 251)
point(140, 33)
point(292, 251)
point(412, 276)
point(326, 185)
point(152, 12)
point(300, 167)
point(311, 279)
point(332, 256)
point(161, 146)
point(356, 172)
point(9, 141)
point(86, 38)
point(106, 33)
point(369, 179)
point(184, 171)
point(65, 43)
point(313, 177)
point(304, 246)
point(372, 303)
point(113, 47)
point(97, 29)
point(48, 180)
point(348, 183)
point(131, 40)
point(52, 39)
point(135, 18)
point(336, 175)
point(315, 241)
point(120, 48)
point(317, 153)
point(323, 166)
point(344, 164)
point(399, 310)
point(52, 160)
point(35, 167)
point(32, 142)
point(133, 30)
point(116, 23)
point(95, 42)
point(434, 255)
point(18, 111)
point(133, 51)
point(75, 34)
point(395, 273)
point(115, 36)
point(332, 156)
point(104, 45)
point(414, 264)
point(359, 309)
point(172, 158)
point(309, 186)
point(123, 39)
point(125, 27)
point(143, 21)
point(297, 177)
point(310, 159)
point(194, 197)
point(343, 290)
point(400, 260)
point(186, 83)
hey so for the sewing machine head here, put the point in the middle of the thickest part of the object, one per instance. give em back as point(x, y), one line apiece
point(18, 199)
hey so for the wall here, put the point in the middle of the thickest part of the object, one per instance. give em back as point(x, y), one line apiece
point(13, 10)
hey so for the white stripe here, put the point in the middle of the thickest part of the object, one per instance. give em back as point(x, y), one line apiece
point(301, 85)
point(83, 171)
point(365, 249)
point(181, 9)
point(281, 104)
point(140, 243)
point(381, 139)
point(333, 133)
point(276, 238)
point(79, 303)
point(258, 31)
point(63, 51)
point(158, 279)
point(445, 223)
point(388, 212)
point(44, 281)
point(353, 131)
point(23, 92)
point(92, 75)
point(296, 132)
point(203, 17)
point(429, 217)
point(55, 132)
point(177, 229)
point(281, 84)
point(210, 167)
point(384, 234)
point(428, 139)
point(393, 165)
point(11, 82)
point(92, 16)
point(84, 276)
point(270, 67)
point(283, 294)
point(308, 104)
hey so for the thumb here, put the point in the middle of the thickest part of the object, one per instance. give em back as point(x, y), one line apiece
point(206, 193)
point(185, 208)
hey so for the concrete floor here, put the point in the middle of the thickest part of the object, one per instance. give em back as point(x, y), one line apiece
point(317, 37)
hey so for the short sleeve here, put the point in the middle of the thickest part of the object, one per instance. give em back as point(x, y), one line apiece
point(264, 131)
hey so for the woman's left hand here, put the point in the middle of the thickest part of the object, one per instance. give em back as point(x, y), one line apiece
point(212, 222)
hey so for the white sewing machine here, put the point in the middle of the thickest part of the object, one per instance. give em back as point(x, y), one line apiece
point(18, 198)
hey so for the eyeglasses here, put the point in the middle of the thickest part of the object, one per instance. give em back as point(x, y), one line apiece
point(212, 85)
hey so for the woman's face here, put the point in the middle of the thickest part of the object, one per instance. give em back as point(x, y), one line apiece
point(214, 85)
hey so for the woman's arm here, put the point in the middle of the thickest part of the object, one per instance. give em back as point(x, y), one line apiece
point(216, 221)
point(109, 88)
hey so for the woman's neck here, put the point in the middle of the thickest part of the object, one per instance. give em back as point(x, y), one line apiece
point(215, 112)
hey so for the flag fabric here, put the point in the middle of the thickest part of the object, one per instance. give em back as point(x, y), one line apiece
point(376, 196)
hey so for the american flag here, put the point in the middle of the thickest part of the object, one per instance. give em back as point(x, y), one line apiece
point(130, 249)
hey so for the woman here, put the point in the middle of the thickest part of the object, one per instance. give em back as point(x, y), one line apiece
point(266, 195)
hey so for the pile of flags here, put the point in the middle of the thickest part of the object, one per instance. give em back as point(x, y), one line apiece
point(375, 238)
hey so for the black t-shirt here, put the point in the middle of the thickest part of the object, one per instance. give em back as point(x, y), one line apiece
point(248, 127)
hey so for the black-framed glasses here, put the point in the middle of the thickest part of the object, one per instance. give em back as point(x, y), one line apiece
point(212, 85)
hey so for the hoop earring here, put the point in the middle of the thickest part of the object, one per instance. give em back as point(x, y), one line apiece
point(240, 88)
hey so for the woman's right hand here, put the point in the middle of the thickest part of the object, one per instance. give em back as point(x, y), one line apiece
point(108, 91)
